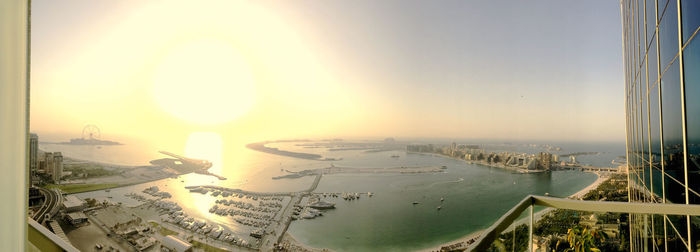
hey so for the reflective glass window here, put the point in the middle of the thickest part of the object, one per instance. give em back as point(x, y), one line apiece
point(662, 7)
point(641, 29)
point(658, 222)
point(640, 129)
point(690, 18)
point(691, 64)
point(644, 109)
point(654, 120)
point(635, 122)
point(694, 233)
point(650, 19)
point(644, 116)
point(676, 233)
point(668, 34)
point(673, 133)
point(634, 28)
point(653, 65)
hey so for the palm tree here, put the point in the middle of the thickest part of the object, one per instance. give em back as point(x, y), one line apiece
point(582, 239)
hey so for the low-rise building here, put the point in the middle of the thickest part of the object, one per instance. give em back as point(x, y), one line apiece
point(144, 243)
point(175, 244)
point(76, 218)
point(118, 219)
point(73, 204)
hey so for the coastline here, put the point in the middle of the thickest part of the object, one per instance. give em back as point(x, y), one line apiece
point(538, 215)
point(110, 187)
point(481, 163)
point(590, 187)
point(362, 170)
point(292, 244)
point(260, 146)
point(578, 195)
point(472, 236)
point(287, 237)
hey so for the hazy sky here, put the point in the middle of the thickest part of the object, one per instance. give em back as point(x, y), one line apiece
point(547, 70)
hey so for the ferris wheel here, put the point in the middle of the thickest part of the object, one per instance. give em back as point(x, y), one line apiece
point(91, 131)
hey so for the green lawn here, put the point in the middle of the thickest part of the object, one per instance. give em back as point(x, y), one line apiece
point(206, 247)
point(162, 230)
point(90, 169)
point(76, 188)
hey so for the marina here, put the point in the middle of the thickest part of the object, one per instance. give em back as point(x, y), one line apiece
point(241, 216)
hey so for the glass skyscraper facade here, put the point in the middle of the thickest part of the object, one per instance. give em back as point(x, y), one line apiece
point(662, 89)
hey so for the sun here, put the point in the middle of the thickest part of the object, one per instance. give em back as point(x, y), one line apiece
point(204, 81)
point(207, 146)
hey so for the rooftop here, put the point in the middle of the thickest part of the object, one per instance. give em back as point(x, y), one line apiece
point(175, 243)
point(72, 201)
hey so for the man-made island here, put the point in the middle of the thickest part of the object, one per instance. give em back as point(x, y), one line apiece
point(336, 144)
point(340, 170)
point(260, 146)
point(83, 141)
point(90, 136)
point(519, 162)
point(80, 175)
point(256, 220)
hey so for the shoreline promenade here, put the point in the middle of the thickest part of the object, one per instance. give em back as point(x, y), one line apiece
point(538, 215)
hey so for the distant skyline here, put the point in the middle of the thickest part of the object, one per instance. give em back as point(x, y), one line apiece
point(512, 70)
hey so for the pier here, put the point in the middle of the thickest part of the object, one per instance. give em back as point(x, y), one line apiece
point(274, 233)
point(315, 184)
point(248, 192)
point(357, 170)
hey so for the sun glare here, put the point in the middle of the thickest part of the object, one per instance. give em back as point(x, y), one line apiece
point(207, 146)
point(204, 82)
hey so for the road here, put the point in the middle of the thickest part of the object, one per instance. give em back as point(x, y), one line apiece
point(274, 234)
point(282, 225)
point(52, 200)
point(589, 168)
point(315, 184)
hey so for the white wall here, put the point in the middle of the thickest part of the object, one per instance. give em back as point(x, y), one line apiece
point(13, 124)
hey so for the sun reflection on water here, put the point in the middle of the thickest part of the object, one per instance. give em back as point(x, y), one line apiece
point(207, 146)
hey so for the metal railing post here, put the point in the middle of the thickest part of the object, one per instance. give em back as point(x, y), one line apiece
point(532, 226)
point(513, 240)
point(487, 237)
point(646, 233)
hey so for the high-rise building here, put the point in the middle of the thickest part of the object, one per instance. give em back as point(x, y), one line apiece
point(53, 165)
point(33, 155)
point(662, 88)
point(544, 160)
point(48, 163)
point(57, 171)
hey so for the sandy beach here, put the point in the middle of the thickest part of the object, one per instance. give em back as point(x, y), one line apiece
point(538, 215)
point(291, 244)
point(577, 195)
point(596, 183)
point(464, 239)
point(462, 242)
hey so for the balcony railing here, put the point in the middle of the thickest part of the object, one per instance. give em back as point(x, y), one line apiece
point(44, 240)
point(488, 237)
